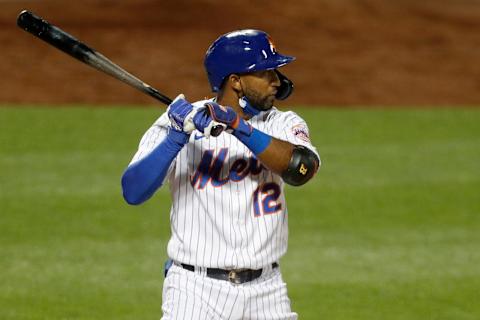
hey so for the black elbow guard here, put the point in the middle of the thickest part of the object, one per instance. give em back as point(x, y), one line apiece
point(303, 165)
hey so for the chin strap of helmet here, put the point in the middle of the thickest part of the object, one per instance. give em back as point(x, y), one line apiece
point(247, 107)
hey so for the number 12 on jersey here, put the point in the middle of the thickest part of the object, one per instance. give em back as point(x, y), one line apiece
point(265, 199)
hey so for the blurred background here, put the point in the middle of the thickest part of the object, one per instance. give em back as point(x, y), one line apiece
point(388, 229)
point(349, 52)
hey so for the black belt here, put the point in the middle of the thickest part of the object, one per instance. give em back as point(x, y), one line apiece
point(234, 276)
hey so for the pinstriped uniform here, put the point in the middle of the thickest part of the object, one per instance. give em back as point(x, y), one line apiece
point(189, 295)
point(228, 212)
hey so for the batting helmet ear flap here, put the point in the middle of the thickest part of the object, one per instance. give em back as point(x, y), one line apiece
point(286, 87)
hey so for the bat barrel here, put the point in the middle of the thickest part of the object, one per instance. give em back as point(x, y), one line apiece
point(67, 43)
point(58, 38)
point(31, 23)
point(53, 35)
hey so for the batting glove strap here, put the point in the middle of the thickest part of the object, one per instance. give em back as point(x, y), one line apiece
point(242, 127)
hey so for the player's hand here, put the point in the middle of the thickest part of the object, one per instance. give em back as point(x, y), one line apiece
point(227, 116)
point(180, 112)
point(222, 114)
point(204, 123)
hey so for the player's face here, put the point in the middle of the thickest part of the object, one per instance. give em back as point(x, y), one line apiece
point(260, 88)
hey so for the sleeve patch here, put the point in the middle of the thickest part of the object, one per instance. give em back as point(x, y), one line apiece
point(300, 131)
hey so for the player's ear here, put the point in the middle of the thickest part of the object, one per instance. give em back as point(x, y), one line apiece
point(234, 82)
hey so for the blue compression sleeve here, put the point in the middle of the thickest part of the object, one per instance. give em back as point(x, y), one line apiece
point(254, 139)
point(142, 178)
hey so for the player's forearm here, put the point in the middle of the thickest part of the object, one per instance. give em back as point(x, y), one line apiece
point(142, 178)
point(296, 164)
point(277, 155)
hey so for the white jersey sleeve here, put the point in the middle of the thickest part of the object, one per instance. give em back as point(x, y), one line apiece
point(152, 138)
point(292, 128)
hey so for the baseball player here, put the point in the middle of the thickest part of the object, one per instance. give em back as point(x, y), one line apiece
point(228, 215)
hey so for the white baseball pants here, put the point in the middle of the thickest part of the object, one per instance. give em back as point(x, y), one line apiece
point(192, 295)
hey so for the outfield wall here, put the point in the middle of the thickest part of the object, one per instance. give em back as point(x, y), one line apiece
point(349, 52)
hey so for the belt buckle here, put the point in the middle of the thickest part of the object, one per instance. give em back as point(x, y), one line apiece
point(233, 277)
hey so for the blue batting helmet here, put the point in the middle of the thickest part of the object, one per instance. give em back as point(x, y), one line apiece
point(243, 51)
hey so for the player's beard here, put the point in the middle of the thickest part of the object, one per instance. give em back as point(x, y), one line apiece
point(259, 101)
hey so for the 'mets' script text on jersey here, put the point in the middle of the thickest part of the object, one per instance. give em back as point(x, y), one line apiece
point(228, 210)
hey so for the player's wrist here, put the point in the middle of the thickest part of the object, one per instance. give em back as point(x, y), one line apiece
point(255, 140)
point(178, 137)
point(240, 126)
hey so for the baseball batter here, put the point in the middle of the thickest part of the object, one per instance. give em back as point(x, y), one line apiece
point(229, 220)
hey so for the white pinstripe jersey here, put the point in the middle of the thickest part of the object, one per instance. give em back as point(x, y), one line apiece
point(228, 211)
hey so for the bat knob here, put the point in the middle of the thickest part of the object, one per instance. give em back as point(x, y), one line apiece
point(216, 130)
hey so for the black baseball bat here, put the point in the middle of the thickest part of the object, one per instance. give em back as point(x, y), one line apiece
point(70, 45)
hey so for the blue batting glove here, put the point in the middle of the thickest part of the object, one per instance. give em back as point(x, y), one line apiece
point(204, 123)
point(202, 120)
point(228, 116)
point(179, 111)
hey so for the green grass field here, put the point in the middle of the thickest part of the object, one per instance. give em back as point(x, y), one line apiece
point(389, 228)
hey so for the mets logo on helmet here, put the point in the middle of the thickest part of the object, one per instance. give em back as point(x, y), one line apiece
point(272, 45)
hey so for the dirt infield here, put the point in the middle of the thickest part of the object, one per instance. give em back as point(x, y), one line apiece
point(349, 52)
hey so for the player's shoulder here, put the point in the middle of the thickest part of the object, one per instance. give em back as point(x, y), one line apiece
point(277, 115)
point(162, 121)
